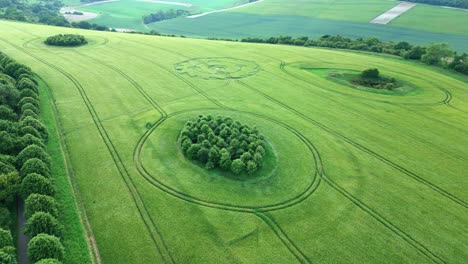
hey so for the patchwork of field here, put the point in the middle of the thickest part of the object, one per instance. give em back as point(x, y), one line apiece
point(355, 176)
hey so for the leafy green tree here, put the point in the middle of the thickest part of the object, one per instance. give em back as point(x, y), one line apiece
point(41, 222)
point(29, 139)
point(251, 167)
point(5, 218)
point(435, 54)
point(6, 168)
point(5, 238)
point(8, 142)
point(40, 203)
point(29, 93)
point(33, 151)
point(7, 258)
point(225, 160)
point(35, 183)
point(48, 261)
point(202, 154)
point(41, 128)
point(29, 130)
point(45, 246)
point(35, 165)
point(237, 166)
point(30, 106)
point(193, 151)
point(26, 83)
point(6, 113)
point(30, 100)
point(370, 74)
point(9, 186)
point(9, 95)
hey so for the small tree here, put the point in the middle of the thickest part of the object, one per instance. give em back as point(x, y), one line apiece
point(40, 203)
point(35, 183)
point(6, 113)
point(9, 185)
point(33, 151)
point(370, 73)
point(6, 258)
point(41, 222)
point(35, 165)
point(225, 160)
point(251, 167)
point(5, 238)
point(45, 246)
point(435, 53)
point(237, 166)
point(5, 218)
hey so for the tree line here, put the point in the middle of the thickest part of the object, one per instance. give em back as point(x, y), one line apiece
point(223, 143)
point(452, 3)
point(25, 168)
point(436, 54)
point(164, 15)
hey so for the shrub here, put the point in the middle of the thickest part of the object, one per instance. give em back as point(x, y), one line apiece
point(67, 40)
point(29, 93)
point(31, 107)
point(6, 80)
point(40, 203)
point(35, 183)
point(45, 246)
point(6, 258)
point(28, 113)
point(5, 218)
point(30, 100)
point(36, 124)
point(6, 113)
point(41, 222)
point(48, 261)
point(9, 185)
point(27, 76)
point(5, 238)
point(35, 165)
point(33, 151)
point(222, 143)
point(370, 74)
point(29, 139)
point(29, 130)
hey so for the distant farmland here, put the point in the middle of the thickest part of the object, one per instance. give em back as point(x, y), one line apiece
point(352, 174)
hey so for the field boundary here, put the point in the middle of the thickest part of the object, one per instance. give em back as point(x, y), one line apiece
point(393, 13)
point(224, 10)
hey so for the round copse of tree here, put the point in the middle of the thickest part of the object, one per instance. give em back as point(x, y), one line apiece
point(41, 222)
point(35, 183)
point(33, 151)
point(66, 40)
point(5, 238)
point(49, 261)
point(40, 203)
point(45, 246)
point(35, 165)
point(221, 142)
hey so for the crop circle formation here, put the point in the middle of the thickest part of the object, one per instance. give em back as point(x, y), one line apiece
point(217, 68)
point(221, 142)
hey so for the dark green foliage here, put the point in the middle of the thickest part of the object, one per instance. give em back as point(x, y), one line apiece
point(6, 80)
point(7, 258)
point(29, 130)
point(45, 246)
point(41, 222)
point(370, 73)
point(26, 83)
point(48, 261)
point(8, 126)
point(35, 183)
point(8, 142)
point(67, 40)
point(36, 124)
point(5, 218)
point(415, 53)
point(6, 168)
point(35, 166)
point(460, 63)
point(28, 113)
point(33, 151)
point(29, 93)
point(5, 238)
point(454, 3)
point(29, 106)
point(30, 100)
point(223, 143)
point(6, 113)
point(9, 185)
point(28, 77)
point(9, 95)
point(29, 139)
point(12, 67)
point(164, 15)
point(435, 54)
point(40, 203)
point(8, 159)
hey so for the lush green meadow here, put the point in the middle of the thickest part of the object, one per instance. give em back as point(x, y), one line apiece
point(352, 177)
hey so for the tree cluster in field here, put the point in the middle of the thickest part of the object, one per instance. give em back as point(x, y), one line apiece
point(223, 143)
point(452, 3)
point(372, 78)
point(25, 167)
point(435, 54)
point(66, 40)
point(164, 15)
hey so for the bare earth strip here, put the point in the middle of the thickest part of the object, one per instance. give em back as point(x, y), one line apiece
point(167, 3)
point(393, 13)
point(226, 9)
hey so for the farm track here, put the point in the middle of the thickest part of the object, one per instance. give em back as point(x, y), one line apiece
point(166, 258)
point(71, 178)
point(416, 244)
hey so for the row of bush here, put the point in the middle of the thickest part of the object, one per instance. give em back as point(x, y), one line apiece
point(164, 15)
point(25, 166)
point(435, 54)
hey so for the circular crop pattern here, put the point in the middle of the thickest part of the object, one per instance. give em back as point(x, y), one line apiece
point(289, 173)
point(217, 68)
point(223, 143)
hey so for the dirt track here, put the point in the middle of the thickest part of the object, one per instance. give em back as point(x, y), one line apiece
point(393, 13)
point(223, 10)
